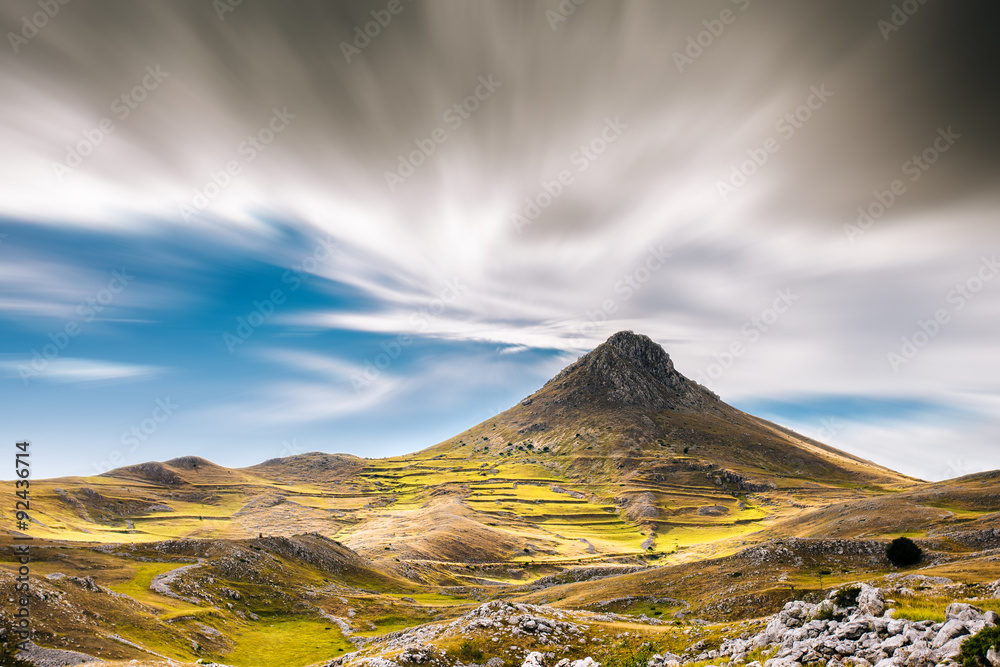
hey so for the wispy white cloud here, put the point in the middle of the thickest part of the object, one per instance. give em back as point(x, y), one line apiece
point(928, 448)
point(311, 387)
point(42, 288)
point(73, 370)
point(303, 402)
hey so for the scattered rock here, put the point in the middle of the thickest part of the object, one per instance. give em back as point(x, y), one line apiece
point(86, 583)
point(52, 657)
point(871, 601)
point(857, 636)
point(713, 510)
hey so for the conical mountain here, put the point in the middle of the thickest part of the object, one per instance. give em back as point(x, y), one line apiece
point(623, 411)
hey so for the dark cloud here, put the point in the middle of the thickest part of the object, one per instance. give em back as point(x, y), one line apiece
point(648, 127)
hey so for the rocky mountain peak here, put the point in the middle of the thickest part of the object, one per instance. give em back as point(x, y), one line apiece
point(630, 369)
point(645, 354)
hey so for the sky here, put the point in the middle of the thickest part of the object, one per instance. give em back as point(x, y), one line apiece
point(243, 230)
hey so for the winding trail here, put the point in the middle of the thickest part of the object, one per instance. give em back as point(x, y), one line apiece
point(161, 582)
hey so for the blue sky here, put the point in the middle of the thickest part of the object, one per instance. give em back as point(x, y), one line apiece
point(296, 250)
point(159, 348)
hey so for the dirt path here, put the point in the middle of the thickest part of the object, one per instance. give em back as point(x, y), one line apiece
point(161, 582)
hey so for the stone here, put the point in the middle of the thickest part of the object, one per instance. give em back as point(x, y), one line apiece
point(896, 627)
point(952, 629)
point(963, 612)
point(871, 601)
point(922, 657)
point(853, 630)
point(534, 659)
point(952, 649)
point(890, 645)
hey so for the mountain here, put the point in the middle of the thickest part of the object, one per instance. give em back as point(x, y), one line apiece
point(619, 486)
point(626, 405)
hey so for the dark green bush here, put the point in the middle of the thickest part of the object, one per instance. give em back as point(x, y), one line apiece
point(903, 552)
point(974, 648)
point(847, 597)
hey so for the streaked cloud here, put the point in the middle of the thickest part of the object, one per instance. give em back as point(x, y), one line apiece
point(70, 370)
point(637, 236)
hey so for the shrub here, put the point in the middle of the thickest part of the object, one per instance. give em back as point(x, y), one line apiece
point(469, 652)
point(903, 552)
point(974, 648)
point(824, 614)
point(847, 597)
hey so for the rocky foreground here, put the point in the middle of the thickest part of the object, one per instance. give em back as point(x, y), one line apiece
point(861, 635)
point(854, 627)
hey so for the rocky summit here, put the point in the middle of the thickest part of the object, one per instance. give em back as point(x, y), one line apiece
point(631, 369)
